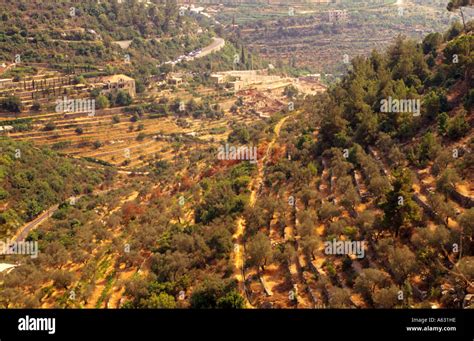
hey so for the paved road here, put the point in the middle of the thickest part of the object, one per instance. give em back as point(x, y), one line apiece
point(216, 45)
point(23, 232)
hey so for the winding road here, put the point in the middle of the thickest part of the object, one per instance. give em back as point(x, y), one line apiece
point(23, 231)
point(216, 45)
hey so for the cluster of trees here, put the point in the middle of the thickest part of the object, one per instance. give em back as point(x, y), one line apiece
point(233, 56)
point(224, 196)
point(246, 134)
point(194, 109)
point(11, 104)
point(188, 255)
point(163, 107)
point(354, 107)
point(183, 256)
point(30, 190)
point(120, 98)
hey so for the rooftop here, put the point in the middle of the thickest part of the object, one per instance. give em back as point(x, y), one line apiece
point(116, 78)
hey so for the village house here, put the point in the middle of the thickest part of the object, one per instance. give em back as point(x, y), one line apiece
point(218, 78)
point(175, 80)
point(114, 83)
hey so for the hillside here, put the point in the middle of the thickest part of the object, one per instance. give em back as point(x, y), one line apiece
point(95, 38)
point(400, 181)
point(91, 39)
point(33, 179)
point(323, 38)
point(220, 182)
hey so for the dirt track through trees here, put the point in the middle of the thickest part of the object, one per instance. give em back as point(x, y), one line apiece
point(239, 247)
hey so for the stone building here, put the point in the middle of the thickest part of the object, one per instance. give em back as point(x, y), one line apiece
point(114, 83)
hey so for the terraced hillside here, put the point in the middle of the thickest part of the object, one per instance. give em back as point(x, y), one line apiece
point(222, 182)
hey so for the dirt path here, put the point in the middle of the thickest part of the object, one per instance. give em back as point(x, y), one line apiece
point(238, 253)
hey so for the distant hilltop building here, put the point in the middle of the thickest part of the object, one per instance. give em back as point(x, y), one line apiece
point(245, 79)
point(337, 15)
point(114, 83)
point(238, 80)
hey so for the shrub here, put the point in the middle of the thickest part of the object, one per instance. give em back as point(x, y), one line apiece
point(457, 127)
point(49, 126)
point(11, 103)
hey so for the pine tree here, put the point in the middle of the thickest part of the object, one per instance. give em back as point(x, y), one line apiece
point(242, 56)
point(399, 209)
